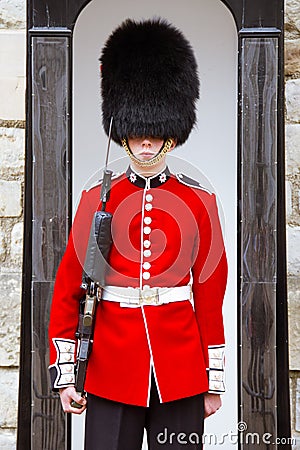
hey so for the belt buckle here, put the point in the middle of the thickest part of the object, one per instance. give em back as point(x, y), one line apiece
point(149, 296)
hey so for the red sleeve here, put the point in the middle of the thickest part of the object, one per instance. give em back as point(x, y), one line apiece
point(209, 283)
point(66, 296)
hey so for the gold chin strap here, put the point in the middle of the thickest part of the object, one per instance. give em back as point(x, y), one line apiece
point(165, 148)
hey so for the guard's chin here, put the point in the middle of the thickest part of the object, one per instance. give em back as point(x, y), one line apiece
point(145, 157)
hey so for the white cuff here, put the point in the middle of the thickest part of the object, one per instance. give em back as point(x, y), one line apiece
point(216, 369)
point(63, 371)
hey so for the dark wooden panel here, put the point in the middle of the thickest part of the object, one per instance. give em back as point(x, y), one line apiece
point(265, 13)
point(258, 259)
point(54, 13)
point(41, 423)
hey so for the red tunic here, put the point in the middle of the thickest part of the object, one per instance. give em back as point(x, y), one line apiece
point(166, 233)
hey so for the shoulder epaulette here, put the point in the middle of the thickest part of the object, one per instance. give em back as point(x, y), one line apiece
point(99, 182)
point(184, 179)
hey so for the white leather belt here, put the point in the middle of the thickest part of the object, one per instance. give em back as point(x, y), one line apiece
point(149, 296)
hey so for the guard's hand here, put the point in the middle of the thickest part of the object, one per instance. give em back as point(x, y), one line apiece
point(67, 395)
point(212, 402)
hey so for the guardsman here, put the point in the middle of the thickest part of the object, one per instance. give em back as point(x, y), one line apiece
point(158, 353)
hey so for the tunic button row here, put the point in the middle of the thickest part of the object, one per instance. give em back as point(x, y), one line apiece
point(147, 243)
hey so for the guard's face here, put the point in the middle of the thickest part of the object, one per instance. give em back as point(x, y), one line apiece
point(145, 148)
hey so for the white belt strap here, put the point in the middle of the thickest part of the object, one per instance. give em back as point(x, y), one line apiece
point(149, 296)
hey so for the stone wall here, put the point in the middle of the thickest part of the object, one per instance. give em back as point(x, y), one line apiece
point(12, 133)
point(292, 74)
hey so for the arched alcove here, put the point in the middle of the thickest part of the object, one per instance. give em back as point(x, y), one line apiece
point(210, 153)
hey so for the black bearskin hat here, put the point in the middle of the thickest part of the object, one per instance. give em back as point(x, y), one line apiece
point(149, 81)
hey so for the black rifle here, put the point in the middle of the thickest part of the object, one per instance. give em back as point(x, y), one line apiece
point(93, 278)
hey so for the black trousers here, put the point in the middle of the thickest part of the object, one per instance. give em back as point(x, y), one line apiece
point(116, 426)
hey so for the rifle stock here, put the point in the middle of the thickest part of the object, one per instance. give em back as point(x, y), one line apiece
point(85, 334)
